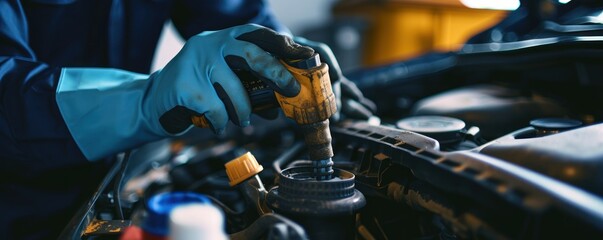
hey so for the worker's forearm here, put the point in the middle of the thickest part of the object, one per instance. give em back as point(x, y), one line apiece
point(31, 126)
point(97, 105)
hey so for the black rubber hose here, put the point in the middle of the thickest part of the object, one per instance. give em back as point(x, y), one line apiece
point(118, 183)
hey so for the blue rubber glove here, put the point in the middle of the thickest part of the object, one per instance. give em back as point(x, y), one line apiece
point(109, 110)
point(351, 103)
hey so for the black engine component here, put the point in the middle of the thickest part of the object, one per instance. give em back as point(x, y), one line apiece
point(325, 208)
point(574, 156)
point(472, 195)
point(548, 126)
point(496, 110)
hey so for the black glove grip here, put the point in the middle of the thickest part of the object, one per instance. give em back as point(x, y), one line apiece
point(278, 45)
point(177, 119)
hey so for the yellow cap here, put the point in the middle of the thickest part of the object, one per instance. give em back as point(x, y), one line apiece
point(242, 168)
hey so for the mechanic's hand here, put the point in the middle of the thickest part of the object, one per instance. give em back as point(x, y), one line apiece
point(110, 110)
point(199, 81)
point(350, 101)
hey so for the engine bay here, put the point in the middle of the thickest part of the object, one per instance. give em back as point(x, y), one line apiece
point(500, 140)
point(519, 186)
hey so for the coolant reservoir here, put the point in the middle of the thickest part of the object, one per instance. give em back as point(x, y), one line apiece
point(178, 216)
point(197, 222)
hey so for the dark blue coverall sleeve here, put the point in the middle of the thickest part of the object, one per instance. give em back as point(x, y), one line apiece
point(42, 171)
point(33, 136)
point(44, 177)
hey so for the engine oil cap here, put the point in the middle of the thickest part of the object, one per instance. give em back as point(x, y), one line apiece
point(242, 168)
point(444, 129)
point(549, 126)
point(552, 124)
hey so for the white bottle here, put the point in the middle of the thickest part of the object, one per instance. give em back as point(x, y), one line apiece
point(197, 222)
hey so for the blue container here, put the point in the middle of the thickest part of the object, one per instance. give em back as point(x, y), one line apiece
point(159, 208)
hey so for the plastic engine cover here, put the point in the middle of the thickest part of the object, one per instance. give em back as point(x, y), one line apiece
point(574, 156)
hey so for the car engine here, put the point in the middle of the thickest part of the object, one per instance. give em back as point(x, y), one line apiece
point(500, 140)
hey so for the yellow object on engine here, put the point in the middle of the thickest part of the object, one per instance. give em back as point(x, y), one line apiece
point(242, 168)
